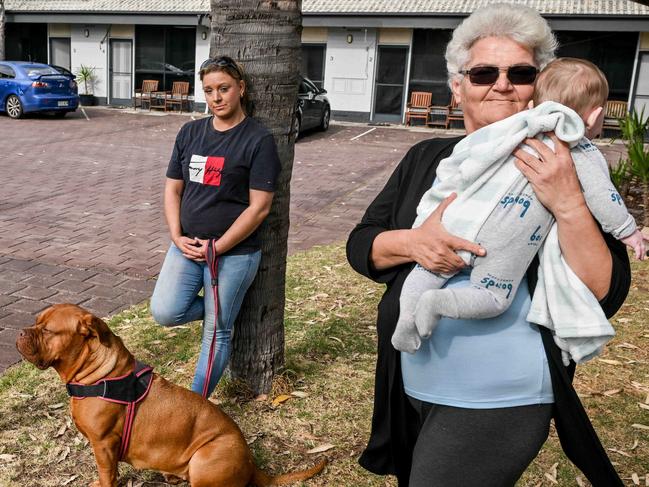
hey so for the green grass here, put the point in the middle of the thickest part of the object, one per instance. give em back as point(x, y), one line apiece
point(330, 358)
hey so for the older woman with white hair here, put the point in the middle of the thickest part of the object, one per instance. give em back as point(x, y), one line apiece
point(472, 406)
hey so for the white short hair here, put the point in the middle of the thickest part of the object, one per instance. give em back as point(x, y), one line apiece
point(518, 22)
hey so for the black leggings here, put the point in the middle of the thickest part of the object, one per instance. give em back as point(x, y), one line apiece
point(476, 447)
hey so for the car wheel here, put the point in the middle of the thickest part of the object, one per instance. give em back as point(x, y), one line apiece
point(297, 123)
point(326, 115)
point(13, 107)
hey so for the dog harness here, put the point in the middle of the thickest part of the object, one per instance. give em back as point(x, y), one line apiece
point(213, 263)
point(128, 389)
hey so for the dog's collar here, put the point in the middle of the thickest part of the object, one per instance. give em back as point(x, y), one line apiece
point(130, 388)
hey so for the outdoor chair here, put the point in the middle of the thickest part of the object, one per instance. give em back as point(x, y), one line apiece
point(419, 106)
point(178, 96)
point(442, 115)
point(455, 112)
point(613, 111)
point(143, 95)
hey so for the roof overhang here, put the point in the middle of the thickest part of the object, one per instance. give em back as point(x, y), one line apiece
point(106, 18)
point(609, 23)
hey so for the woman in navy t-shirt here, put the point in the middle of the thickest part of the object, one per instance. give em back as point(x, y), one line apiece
point(219, 188)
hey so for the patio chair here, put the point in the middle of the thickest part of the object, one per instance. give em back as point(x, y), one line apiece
point(178, 96)
point(419, 106)
point(443, 115)
point(613, 111)
point(455, 112)
point(144, 94)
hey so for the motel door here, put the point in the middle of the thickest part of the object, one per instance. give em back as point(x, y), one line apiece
point(390, 83)
point(121, 82)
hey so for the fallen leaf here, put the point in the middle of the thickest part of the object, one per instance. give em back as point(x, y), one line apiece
point(623, 320)
point(280, 399)
point(643, 405)
point(300, 394)
point(551, 478)
point(627, 345)
point(58, 405)
point(64, 454)
point(640, 426)
point(623, 453)
point(5, 457)
point(612, 392)
point(609, 361)
point(580, 482)
point(321, 448)
point(61, 430)
point(337, 340)
point(635, 478)
point(66, 482)
point(634, 446)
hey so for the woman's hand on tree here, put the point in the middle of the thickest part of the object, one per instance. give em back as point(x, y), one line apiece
point(432, 247)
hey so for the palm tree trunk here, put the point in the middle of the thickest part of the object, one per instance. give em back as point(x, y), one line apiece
point(264, 35)
point(3, 21)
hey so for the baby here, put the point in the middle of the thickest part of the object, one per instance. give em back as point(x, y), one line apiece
point(513, 231)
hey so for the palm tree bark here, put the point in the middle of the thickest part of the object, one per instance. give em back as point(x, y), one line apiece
point(3, 21)
point(264, 35)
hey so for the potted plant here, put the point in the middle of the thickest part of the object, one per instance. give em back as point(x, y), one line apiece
point(86, 75)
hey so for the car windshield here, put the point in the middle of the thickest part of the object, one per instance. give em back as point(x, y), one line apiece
point(32, 70)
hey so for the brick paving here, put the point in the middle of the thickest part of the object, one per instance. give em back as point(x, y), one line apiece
point(81, 205)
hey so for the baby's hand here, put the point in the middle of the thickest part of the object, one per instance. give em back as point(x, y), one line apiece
point(637, 242)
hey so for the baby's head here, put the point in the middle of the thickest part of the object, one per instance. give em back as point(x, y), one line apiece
point(577, 84)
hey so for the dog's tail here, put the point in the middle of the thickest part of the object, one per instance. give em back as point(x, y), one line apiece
point(261, 479)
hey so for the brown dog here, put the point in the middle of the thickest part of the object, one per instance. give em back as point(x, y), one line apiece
point(175, 431)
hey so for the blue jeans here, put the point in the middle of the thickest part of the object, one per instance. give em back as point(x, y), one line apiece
point(175, 301)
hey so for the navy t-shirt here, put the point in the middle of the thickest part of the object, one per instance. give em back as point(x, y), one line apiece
point(218, 169)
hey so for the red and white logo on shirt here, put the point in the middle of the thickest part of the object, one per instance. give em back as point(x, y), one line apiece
point(206, 170)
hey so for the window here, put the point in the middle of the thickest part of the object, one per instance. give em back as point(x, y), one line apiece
point(60, 51)
point(6, 72)
point(166, 54)
point(612, 52)
point(428, 66)
point(313, 63)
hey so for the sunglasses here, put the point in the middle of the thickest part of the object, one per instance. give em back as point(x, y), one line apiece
point(224, 61)
point(520, 74)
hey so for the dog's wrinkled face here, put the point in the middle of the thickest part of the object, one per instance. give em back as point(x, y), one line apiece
point(60, 334)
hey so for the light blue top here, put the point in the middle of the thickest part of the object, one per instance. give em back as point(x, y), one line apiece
point(480, 364)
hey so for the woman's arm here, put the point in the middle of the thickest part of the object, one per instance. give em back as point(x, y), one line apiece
point(247, 222)
point(554, 180)
point(376, 249)
point(430, 245)
point(172, 195)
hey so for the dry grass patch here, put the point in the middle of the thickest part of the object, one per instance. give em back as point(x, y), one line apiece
point(322, 400)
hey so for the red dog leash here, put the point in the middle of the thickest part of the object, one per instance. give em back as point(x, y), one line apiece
point(213, 263)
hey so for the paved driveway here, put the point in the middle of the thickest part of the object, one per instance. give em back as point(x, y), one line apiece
point(81, 215)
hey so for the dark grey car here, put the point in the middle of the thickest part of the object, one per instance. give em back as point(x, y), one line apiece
point(313, 109)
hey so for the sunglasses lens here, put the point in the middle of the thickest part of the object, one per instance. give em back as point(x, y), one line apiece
point(522, 75)
point(483, 75)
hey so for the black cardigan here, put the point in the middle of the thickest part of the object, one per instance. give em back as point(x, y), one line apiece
point(395, 424)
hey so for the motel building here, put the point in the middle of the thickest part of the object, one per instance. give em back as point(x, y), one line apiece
point(368, 54)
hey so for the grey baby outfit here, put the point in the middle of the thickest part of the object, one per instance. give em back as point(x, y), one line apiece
point(512, 232)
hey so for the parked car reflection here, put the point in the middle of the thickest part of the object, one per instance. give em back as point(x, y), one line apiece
point(34, 87)
point(313, 109)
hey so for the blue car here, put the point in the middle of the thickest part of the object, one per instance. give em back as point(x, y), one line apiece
point(34, 87)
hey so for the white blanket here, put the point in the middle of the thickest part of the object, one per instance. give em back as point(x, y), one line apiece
point(480, 171)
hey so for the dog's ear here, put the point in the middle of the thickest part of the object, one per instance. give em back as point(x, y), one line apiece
point(90, 325)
